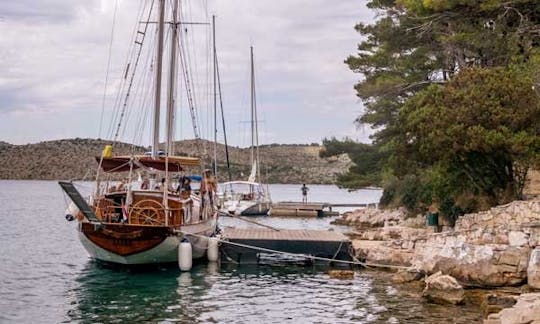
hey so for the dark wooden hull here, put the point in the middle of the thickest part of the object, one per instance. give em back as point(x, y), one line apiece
point(125, 240)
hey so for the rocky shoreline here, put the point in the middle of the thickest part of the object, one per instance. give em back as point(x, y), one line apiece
point(494, 253)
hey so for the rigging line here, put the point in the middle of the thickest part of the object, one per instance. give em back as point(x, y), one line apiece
point(126, 98)
point(189, 71)
point(129, 58)
point(123, 80)
point(136, 94)
point(108, 69)
point(188, 91)
point(223, 119)
point(146, 78)
point(189, 65)
point(141, 91)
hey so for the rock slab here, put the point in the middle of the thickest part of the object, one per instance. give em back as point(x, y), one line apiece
point(526, 310)
point(533, 270)
point(443, 289)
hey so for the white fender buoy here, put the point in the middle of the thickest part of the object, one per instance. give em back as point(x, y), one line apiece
point(72, 211)
point(213, 249)
point(185, 260)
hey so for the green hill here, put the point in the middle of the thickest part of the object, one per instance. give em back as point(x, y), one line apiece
point(74, 159)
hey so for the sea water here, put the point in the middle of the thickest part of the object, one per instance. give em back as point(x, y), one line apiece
point(47, 277)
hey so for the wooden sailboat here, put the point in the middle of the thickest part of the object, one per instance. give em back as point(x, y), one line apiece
point(251, 197)
point(144, 222)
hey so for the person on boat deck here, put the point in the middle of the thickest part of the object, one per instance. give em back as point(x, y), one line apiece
point(208, 187)
point(145, 185)
point(184, 188)
point(121, 186)
point(161, 186)
point(305, 190)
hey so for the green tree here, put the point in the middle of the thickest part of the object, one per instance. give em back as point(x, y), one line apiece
point(367, 160)
point(409, 58)
point(481, 127)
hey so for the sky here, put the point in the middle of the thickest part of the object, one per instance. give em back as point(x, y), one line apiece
point(63, 62)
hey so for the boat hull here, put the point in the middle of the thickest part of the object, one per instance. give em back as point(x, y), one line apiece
point(257, 209)
point(138, 245)
point(246, 208)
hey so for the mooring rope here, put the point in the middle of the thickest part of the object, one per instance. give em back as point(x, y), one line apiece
point(222, 213)
point(354, 262)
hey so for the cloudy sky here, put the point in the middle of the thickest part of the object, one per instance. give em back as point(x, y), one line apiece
point(54, 58)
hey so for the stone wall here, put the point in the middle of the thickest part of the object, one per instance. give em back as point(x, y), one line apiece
point(488, 249)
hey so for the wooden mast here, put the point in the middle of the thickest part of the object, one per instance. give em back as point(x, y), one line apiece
point(159, 64)
point(215, 92)
point(252, 109)
point(254, 122)
point(172, 80)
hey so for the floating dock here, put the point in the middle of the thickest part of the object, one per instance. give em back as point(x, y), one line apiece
point(248, 244)
point(311, 209)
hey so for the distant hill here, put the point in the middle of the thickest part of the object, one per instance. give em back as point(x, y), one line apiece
point(74, 159)
point(4, 145)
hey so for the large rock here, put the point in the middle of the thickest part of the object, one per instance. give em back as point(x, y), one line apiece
point(370, 217)
point(490, 265)
point(533, 270)
point(525, 311)
point(443, 289)
point(407, 275)
point(377, 252)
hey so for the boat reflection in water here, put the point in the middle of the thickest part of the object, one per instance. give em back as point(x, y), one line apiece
point(109, 294)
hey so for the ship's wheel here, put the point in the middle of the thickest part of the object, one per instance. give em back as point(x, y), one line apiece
point(147, 212)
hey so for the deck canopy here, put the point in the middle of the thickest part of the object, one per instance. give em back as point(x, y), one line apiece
point(123, 163)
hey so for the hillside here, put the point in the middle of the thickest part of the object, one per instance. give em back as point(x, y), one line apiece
point(74, 159)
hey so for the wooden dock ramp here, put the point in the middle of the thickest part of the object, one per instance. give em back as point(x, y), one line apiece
point(318, 243)
point(300, 209)
point(311, 209)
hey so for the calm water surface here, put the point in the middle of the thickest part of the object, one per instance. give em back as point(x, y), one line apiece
point(47, 277)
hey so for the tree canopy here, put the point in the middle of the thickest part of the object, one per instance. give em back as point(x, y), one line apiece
point(448, 86)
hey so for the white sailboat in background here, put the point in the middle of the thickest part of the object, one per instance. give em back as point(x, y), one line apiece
point(251, 197)
point(140, 223)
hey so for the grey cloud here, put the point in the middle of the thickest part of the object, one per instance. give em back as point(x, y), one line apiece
point(299, 51)
point(51, 11)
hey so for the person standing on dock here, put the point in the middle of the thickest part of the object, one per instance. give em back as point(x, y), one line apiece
point(305, 190)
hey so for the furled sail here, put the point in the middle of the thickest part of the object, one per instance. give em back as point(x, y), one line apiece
point(253, 173)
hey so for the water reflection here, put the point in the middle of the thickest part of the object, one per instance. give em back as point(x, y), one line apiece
point(249, 294)
point(112, 294)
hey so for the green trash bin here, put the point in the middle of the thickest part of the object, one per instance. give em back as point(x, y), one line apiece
point(433, 219)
